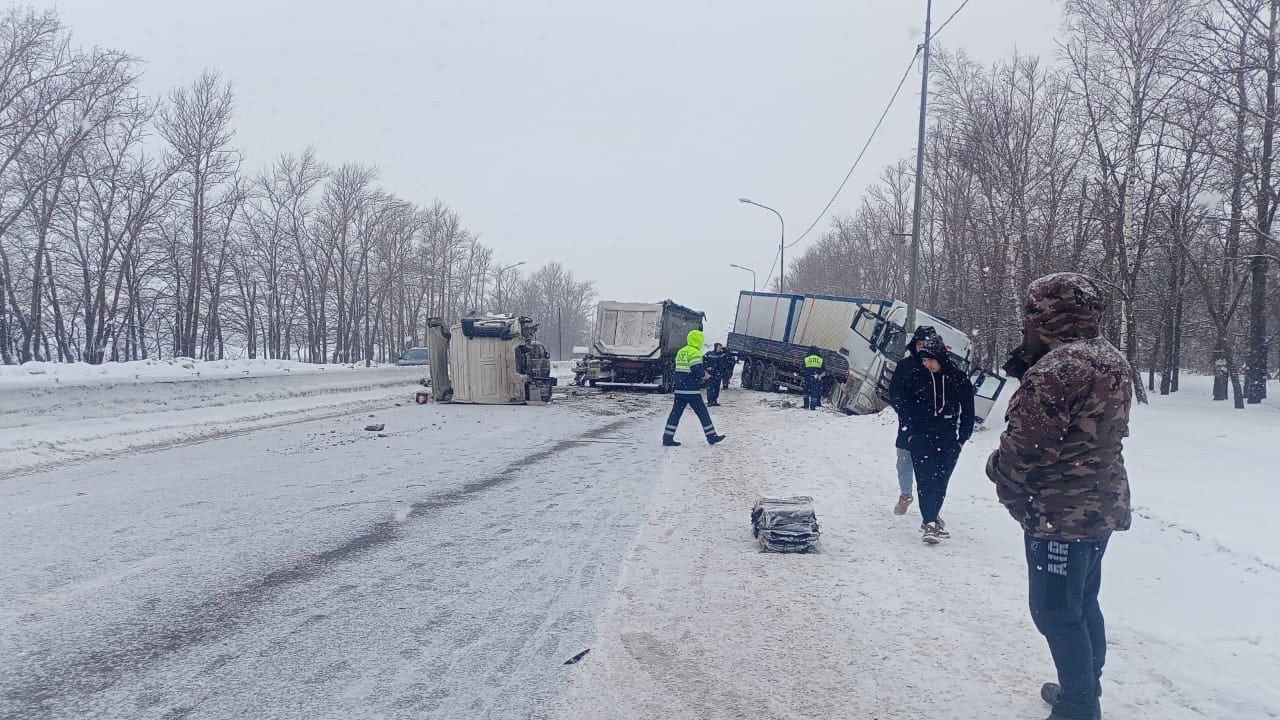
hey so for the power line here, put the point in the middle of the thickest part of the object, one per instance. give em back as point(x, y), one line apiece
point(944, 25)
point(865, 147)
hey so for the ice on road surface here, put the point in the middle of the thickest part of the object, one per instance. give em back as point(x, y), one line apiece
point(319, 571)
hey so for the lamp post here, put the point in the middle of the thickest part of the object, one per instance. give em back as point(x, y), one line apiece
point(753, 274)
point(498, 274)
point(782, 242)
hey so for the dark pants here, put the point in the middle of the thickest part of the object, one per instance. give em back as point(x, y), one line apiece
point(713, 389)
point(693, 400)
point(812, 393)
point(1064, 579)
point(728, 376)
point(933, 461)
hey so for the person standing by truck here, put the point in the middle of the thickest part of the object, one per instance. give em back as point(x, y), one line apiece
point(714, 362)
point(813, 364)
point(938, 405)
point(1059, 470)
point(690, 372)
point(902, 378)
point(730, 362)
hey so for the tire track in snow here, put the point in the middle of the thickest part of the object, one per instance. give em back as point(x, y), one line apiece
point(133, 646)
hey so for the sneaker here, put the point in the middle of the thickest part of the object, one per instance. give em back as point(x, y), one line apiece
point(930, 534)
point(904, 502)
point(942, 529)
point(715, 439)
point(670, 442)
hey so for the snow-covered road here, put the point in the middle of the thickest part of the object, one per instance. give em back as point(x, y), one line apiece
point(445, 568)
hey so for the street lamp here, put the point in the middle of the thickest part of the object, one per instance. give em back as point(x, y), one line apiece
point(498, 273)
point(782, 243)
point(753, 274)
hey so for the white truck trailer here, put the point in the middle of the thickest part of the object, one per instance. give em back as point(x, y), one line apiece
point(860, 338)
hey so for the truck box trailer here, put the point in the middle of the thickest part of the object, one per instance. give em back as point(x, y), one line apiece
point(861, 340)
point(772, 334)
point(635, 344)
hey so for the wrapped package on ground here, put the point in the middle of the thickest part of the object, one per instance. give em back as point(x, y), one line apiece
point(785, 524)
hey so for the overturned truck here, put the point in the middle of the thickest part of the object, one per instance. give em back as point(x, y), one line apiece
point(490, 360)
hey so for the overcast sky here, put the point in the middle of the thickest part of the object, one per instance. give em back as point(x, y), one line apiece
point(615, 138)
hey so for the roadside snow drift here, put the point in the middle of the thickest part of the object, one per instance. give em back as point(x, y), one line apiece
point(51, 414)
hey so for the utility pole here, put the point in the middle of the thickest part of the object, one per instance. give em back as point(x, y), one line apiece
point(367, 344)
point(914, 284)
point(560, 332)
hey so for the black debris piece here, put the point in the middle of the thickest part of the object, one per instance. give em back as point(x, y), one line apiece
point(374, 428)
point(785, 524)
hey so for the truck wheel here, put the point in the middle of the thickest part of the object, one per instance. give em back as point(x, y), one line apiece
point(748, 375)
point(667, 382)
point(769, 378)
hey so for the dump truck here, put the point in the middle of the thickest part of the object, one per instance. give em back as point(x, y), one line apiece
point(489, 360)
point(860, 338)
point(636, 344)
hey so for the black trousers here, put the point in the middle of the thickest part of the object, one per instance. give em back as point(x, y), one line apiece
point(933, 461)
point(1064, 580)
point(812, 393)
point(691, 400)
point(713, 389)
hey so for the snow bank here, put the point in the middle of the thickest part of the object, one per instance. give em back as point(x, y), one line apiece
point(47, 421)
point(879, 625)
point(37, 373)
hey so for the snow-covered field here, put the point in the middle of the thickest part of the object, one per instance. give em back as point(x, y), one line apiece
point(446, 567)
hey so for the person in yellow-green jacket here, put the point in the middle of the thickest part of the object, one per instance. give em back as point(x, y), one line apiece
point(813, 369)
point(690, 374)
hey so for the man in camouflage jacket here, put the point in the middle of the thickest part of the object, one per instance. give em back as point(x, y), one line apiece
point(1060, 473)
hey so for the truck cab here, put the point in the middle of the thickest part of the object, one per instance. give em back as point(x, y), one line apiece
point(877, 340)
point(489, 360)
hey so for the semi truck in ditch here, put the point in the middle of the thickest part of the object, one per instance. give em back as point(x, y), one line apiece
point(488, 360)
point(861, 340)
point(635, 344)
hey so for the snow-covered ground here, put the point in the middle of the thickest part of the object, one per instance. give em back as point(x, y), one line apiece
point(447, 566)
point(67, 413)
point(879, 625)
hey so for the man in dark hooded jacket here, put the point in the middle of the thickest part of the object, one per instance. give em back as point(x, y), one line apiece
point(902, 378)
point(938, 409)
point(1060, 473)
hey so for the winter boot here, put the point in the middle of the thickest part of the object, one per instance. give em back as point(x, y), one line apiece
point(670, 442)
point(904, 503)
point(1049, 692)
point(715, 439)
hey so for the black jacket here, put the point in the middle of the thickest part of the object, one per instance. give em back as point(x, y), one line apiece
point(904, 376)
point(716, 362)
point(935, 407)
